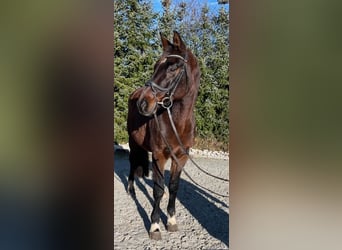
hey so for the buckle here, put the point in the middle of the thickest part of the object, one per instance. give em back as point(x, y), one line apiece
point(166, 103)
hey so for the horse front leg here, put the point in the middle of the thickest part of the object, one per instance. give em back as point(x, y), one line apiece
point(158, 191)
point(176, 170)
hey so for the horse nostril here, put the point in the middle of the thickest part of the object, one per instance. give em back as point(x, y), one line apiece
point(145, 107)
point(143, 104)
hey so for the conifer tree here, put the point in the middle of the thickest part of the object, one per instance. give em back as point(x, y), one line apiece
point(167, 18)
point(221, 72)
point(207, 36)
point(136, 44)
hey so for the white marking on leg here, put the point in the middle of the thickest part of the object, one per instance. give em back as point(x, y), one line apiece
point(154, 227)
point(165, 195)
point(171, 220)
point(130, 184)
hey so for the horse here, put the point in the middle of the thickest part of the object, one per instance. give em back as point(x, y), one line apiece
point(161, 120)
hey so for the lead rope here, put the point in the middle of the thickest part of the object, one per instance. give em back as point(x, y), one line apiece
point(175, 158)
point(211, 191)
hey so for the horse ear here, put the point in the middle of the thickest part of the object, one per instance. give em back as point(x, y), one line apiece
point(166, 43)
point(177, 41)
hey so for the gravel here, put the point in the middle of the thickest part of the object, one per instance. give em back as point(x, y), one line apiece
point(193, 152)
point(202, 218)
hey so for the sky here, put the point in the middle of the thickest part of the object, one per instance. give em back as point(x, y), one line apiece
point(212, 4)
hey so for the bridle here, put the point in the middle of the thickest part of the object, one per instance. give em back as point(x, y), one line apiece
point(167, 100)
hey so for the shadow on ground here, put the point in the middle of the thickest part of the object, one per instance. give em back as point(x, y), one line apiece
point(201, 205)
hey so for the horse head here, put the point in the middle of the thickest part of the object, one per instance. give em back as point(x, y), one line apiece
point(172, 79)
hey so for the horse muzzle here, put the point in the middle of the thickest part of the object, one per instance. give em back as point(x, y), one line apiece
point(146, 108)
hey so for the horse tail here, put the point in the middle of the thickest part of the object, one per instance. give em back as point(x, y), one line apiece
point(138, 158)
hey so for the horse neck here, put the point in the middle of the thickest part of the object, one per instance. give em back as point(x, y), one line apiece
point(185, 106)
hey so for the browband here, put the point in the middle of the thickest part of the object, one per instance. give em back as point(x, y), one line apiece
point(178, 56)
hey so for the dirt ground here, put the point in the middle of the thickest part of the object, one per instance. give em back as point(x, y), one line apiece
point(203, 218)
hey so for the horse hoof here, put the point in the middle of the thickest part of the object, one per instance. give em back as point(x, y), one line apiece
point(172, 228)
point(155, 235)
point(130, 189)
point(139, 171)
point(131, 192)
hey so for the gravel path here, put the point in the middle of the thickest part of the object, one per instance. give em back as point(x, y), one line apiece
point(202, 218)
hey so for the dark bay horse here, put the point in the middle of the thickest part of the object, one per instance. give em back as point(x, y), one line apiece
point(172, 89)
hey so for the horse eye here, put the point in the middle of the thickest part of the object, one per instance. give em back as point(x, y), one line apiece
point(173, 67)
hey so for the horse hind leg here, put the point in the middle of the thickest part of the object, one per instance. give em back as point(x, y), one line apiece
point(139, 166)
point(130, 188)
